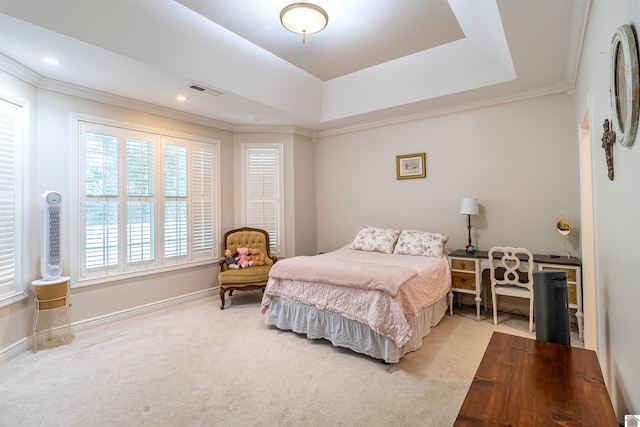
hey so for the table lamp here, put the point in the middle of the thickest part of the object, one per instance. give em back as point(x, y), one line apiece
point(469, 207)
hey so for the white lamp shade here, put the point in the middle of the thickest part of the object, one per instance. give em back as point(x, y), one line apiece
point(469, 207)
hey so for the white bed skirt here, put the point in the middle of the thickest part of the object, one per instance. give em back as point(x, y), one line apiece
point(291, 315)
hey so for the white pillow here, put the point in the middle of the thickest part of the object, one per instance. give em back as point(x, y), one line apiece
point(375, 240)
point(422, 243)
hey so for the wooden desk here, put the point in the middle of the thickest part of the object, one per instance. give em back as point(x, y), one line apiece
point(466, 276)
point(523, 382)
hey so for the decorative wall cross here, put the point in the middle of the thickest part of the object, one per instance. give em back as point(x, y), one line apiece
point(608, 139)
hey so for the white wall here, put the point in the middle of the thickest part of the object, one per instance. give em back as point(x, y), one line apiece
point(519, 159)
point(299, 191)
point(52, 137)
point(15, 317)
point(51, 168)
point(305, 196)
point(616, 207)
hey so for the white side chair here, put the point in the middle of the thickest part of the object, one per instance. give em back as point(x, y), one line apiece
point(509, 276)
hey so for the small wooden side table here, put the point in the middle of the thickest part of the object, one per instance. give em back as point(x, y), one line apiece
point(50, 295)
point(466, 276)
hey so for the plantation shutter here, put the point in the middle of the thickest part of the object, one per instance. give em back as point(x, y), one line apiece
point(175, 201)
point(140, 206)
point(9, 166)
point(263, 192)
point(203, 188)
point(148, 201)
point(101, 208)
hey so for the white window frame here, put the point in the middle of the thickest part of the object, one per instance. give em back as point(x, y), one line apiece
point(159, 263)
point(278, 247)
point(16, 143)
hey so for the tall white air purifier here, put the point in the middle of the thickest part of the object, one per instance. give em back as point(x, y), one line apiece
point(52, 291)
point(50, 255)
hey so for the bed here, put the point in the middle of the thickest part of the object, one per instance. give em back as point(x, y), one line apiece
point(380, 295)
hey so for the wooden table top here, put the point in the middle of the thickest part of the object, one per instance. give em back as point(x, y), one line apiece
point(545, 259)
point(524, 382)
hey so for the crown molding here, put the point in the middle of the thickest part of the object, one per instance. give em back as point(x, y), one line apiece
point(293, 130)
point(18, 70)
point(10, 66)
point(29, 76)
point(120, 101)
point(339, 130)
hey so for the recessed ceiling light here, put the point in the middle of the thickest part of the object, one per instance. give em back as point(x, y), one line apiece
point(181, 98)
point(258, 119)
point(51, 61)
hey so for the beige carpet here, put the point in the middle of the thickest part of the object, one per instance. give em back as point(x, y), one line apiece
point(195, 365)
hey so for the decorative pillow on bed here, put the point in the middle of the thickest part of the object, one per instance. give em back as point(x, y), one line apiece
point(422, 243)
point(375, 240)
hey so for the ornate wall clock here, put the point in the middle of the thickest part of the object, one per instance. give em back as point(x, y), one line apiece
point(625, 85)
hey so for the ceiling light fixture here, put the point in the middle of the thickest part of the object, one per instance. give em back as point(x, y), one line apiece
point(304, 18)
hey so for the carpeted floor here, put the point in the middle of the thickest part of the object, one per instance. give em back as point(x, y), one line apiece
point(195, 365)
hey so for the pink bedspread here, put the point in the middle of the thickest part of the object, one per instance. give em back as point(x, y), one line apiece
point(344, 269)
point(385, 313)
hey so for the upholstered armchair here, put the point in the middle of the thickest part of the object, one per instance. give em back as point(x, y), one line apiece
point(248, 278)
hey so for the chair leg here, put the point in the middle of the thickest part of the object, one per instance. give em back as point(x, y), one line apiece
point(68, 321)
point(222, 292)
point(35, 328)
point(494, 297)
point(531, 315)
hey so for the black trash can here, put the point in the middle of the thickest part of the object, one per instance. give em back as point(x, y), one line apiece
point(551, 306)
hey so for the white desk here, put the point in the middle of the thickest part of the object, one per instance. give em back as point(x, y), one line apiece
point(466, 275)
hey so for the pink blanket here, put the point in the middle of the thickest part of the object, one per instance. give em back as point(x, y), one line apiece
point(384, 313)
point(334, 269)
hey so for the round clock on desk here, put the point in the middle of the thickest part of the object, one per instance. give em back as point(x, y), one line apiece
point(625, 85)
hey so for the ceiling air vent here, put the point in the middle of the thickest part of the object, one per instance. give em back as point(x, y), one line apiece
point(205, 90)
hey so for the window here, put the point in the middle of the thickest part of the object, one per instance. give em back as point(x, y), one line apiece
point(147, 201)
point(11, 211)
point(262, 186)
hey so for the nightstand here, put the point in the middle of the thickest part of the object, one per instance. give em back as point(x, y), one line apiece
point(466, 276)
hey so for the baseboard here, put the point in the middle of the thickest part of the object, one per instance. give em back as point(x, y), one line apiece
point(26, 344)
point(94, 322)
point(507, 304)
point(15, 349)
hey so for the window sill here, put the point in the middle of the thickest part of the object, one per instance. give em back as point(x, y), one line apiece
point(141, 273)
point(12, 299)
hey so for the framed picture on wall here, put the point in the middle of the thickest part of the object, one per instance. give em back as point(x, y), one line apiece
point(409, 166)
